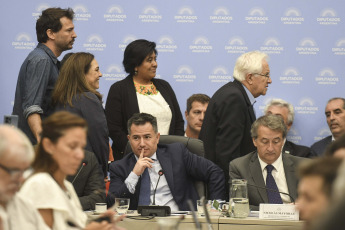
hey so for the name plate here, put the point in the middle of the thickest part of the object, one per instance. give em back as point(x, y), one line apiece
point(278, 212)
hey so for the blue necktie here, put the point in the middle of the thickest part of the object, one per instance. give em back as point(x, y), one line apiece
point(145, 188)
point(273, 196)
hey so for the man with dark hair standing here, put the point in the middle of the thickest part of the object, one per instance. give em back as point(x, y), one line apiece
point(39, 72)
point(335, 116)
point(195, 113)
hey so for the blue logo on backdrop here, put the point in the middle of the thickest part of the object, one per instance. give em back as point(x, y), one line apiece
point(39, 10)
point(23, 42)
point(236, 45)
point(256, 16)
point(322, 133)
point(328, 17)
point(114, 73)
point(150, 14)
point(128, 39)
point(294, 136)
point(292, 16)
point(220, 15)
point(272, 46)
point(220, 74)
point(307, 46)
point(306, 106)
point(327, 77)
point(94, 43)
point(81, 13)
point(201, 45)
point(184, 74)
point(291, 76)
point(340, 47)
point(166, 45)
point(115, 14)
point(185, 15)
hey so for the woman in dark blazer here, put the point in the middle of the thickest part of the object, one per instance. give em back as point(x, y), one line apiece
point(141, 92)
point(76, 92)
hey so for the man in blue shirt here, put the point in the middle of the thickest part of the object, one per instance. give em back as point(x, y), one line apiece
point(39, 72)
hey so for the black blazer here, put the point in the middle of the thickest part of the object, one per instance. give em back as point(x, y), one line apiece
point(226, 127)
point(89, 184)
point(296, 150)
point(122, 103)
point(319, 148)
point(180, 167)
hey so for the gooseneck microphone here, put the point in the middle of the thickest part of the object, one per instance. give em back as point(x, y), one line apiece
point(273, 190)
point(195, 218)
point(160, 173)
point(155, 210)
point(84, 163)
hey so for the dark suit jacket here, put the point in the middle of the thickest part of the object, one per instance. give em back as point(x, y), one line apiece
point(296, 150)
point(89, 184)
point(89, 107)
point(226, 127)
point(122, 103)
point(248, 167)
point(180, 168)
point(318, 148)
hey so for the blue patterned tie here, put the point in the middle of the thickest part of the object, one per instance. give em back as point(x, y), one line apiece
point(145, 188)
point(273, 196)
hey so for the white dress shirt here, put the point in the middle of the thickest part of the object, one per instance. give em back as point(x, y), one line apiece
point(163, 193)
point(278, 174)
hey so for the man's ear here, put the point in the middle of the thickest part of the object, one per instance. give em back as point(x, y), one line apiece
point(50, 34)
point(249, 78)
point(254, 142)
point(186, 114)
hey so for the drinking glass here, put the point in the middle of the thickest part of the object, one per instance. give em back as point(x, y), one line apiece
point(121, 205)
point(239, 203)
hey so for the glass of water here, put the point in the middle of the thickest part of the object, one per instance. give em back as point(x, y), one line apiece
point(121, 205)
point(239, 203)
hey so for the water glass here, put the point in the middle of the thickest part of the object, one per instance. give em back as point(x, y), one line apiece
point(121, 205)
point(239, 203)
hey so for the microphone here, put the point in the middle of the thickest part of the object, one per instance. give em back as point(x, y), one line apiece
point(273, 190)
point(84, 163)
point(155, 210)
point(195, 218)
point(207, 215)
point(160, 173)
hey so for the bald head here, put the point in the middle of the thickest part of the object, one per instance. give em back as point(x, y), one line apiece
point(14, 141)
point(16, 155)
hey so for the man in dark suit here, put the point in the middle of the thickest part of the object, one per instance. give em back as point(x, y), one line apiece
point(89, 183)
point(285, 110)
point(230, 113)
point(136, 175)
point(267, 167)
point(335, 115)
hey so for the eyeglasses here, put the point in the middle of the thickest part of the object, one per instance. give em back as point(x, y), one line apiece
point(13, 172)
point(265, 75)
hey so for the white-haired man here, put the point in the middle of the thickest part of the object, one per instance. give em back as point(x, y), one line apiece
point(285, 110)
point(230, 113)
point(16, 155)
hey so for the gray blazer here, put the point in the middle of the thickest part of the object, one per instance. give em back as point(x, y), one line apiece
point(248, 167)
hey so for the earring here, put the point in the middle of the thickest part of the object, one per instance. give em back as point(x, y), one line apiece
point(135, 72)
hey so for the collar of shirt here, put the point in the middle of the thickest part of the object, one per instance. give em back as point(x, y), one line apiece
point(49, 52)
point(250, 95)
point(277, 164)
